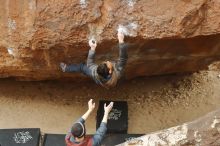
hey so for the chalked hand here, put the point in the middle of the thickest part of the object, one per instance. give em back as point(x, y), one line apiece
point(120, 37)
point(91, 105)
point(108, 108)
point(92, 44)
point(63, 66)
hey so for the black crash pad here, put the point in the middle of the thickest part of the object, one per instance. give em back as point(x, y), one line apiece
point(118, 117)
point(109, 140)
point(115, 139)
point(54, 140)
point(20, 137)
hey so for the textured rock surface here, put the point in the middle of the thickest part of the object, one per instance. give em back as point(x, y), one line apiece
point(202, 132)
point(168, 36)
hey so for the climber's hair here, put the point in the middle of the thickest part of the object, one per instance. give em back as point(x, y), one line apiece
point(103, 70)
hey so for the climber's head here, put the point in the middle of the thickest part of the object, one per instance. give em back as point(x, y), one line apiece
point(78, 130)
point(105, 69)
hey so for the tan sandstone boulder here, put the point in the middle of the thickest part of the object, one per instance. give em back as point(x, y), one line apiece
point(167, 36)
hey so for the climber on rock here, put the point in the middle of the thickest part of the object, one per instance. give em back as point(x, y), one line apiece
point(77, 134)
point(106, 73)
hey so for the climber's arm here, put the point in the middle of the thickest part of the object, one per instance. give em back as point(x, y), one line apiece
point(123, 56)
point(91, 54)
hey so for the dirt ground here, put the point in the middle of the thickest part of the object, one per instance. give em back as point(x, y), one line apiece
point(154, 102)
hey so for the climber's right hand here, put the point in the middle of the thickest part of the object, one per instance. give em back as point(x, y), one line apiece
point(63, 66)
point(121, 36)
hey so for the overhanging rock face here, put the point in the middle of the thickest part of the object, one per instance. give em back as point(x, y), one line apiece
point(167, 36)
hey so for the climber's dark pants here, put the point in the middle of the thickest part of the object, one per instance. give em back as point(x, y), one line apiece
point(82, 68)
